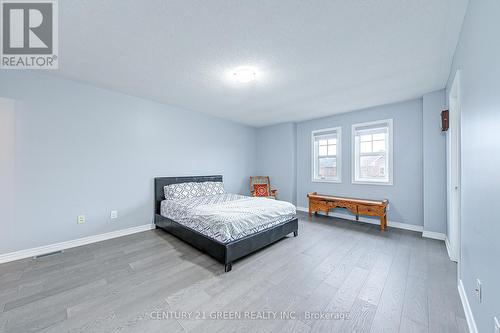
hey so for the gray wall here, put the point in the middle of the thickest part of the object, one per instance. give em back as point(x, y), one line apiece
point(7, 167)
point(83, 150)
point(276, 156)
point(478, 58)
point(434, 163)
point(405, 196)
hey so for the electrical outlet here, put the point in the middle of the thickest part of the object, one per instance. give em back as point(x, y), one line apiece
point(114, 214)
point(80, 219)
point(497, 325)
point(478, 290)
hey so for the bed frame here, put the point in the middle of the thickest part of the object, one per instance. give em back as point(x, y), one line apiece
point(225, 253)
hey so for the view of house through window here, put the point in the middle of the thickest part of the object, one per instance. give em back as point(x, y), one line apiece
point(326, 160)
point(372, 149)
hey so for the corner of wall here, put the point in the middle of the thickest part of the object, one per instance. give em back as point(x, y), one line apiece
point(434, 165)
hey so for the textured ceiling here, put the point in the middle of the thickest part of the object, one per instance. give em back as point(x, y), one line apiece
point(316, 58)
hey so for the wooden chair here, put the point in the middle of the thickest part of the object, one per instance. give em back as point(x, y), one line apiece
point(256, 187)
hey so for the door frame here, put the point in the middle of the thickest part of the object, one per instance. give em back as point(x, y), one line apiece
point(453, 166)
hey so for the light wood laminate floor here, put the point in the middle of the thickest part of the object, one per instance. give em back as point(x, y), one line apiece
point(354, 277)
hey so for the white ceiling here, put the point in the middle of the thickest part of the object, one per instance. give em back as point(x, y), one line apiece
point(316, 58)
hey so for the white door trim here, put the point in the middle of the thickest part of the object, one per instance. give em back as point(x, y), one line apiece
point(453, 163)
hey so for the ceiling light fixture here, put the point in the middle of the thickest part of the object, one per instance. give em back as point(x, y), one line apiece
point(245, 74)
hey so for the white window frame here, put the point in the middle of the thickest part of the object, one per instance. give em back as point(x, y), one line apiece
point(337, 179)
point(389, 153)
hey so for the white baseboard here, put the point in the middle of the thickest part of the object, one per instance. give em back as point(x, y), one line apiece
point(448, 249)
point(434, 235)
point(393, 224)
point(41, 250)
point(468, 311)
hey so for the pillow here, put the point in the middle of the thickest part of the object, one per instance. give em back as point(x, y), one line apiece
point(183, 190)
point(212, 188)
point(261, 190)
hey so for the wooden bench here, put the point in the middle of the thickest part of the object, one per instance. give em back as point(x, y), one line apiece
point(319, 202)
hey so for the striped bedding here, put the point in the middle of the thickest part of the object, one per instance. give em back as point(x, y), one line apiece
point(227, 217)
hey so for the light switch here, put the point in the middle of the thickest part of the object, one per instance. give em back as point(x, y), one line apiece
point(80, 219)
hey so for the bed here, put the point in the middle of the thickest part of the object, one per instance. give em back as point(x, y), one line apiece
point(226, 226)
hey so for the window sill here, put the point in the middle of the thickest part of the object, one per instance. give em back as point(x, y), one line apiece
point(337, 181)
point(367, 182)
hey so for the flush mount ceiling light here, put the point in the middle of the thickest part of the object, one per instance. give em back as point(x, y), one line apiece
point(245, 74)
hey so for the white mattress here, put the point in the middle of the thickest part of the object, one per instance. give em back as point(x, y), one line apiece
point(227, 217)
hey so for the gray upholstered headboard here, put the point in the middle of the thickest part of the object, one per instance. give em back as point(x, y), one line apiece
point(161, 182)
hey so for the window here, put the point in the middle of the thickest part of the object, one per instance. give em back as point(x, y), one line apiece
point(372, 153)
point(326, 162)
